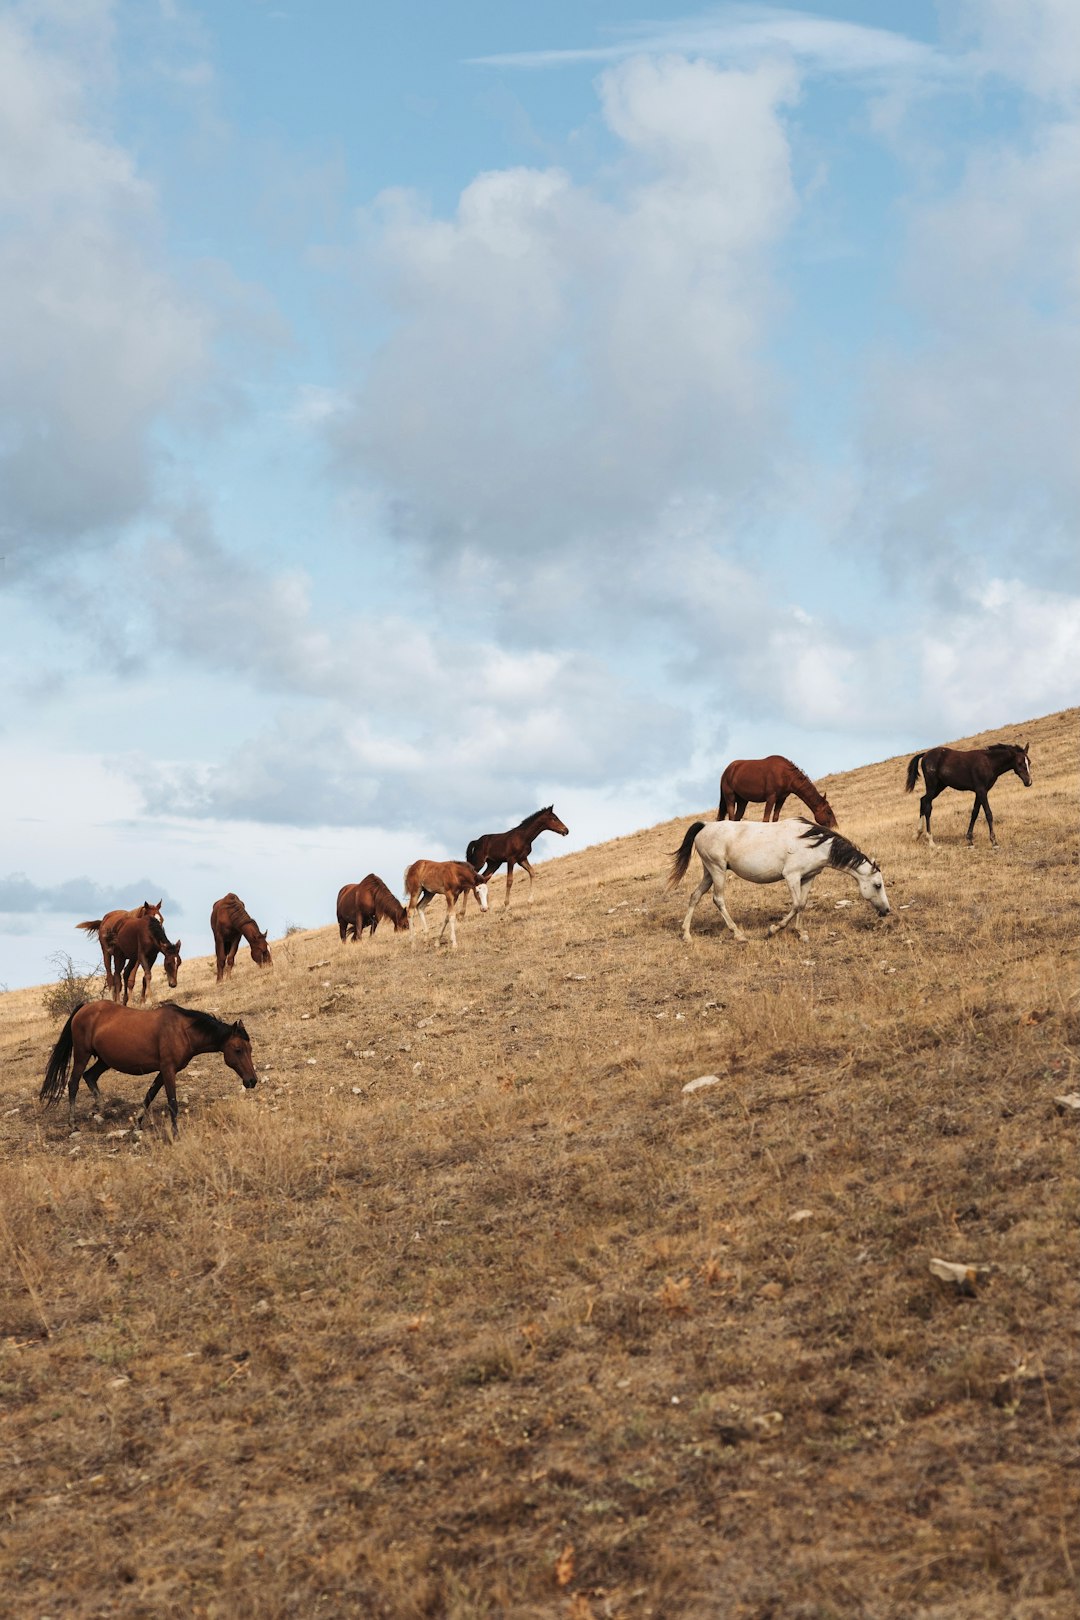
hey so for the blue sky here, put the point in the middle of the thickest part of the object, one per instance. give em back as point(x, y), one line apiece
point(412, 415)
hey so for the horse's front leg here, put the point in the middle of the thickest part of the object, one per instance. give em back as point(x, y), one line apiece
point(719, 903)
point(158, 1082)
point(798, 901)
point(451, 911)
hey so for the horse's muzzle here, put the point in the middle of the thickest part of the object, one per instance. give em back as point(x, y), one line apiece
point(249, 1085)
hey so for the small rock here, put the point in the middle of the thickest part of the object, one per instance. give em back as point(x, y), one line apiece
point(964, 1276)
point(261, 1307)
point(801, 1215)
point(701, 1082)
point(1070, 1100)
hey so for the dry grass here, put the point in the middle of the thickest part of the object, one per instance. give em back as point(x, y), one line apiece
point(468, 1311)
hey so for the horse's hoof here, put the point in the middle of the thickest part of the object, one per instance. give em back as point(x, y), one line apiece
point(741, 939)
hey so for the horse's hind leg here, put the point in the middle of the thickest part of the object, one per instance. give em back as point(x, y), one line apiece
point(523, 862)
point(79, 1058)
point(509, 883)
point(781, 800)
point(926, 804)
point(702, 889)
point(90, 1078)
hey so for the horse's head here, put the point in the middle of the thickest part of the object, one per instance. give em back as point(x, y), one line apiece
point(401, 922)
point(148, 909)
point(872, 886)
point(480, 892)
point(551, 822)
point(1022, 766)
point(260, 951)
point(172, 963)
point(237, 1054)
point(824, 816)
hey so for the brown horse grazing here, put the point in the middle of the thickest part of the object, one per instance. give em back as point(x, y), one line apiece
point(230, 922)
point(769, 781)
point(425, 879)
point(365, 905)
point(488, 852)
point(103, 928)
point(137, 943)
point(134, 1041)
point(971, 770)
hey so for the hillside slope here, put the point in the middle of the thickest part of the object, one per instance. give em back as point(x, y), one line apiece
point(469, 1311)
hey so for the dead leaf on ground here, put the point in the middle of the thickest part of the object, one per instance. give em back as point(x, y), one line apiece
point(565, 1565)
point(674, 1296)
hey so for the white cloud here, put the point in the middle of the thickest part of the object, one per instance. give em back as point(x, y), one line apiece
point(564, 359)
point(97, 341)
point(745, 33)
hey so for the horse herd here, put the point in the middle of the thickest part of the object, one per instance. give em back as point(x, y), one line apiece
point(795, 851)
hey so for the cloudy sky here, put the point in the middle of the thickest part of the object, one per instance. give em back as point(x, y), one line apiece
point(411, 415)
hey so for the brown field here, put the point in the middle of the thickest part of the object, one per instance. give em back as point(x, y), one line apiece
point(469, 1311)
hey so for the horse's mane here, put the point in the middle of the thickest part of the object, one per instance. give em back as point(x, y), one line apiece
point(842, 853)
point(205, 1022)
point(158, 934)
point(1005, 748)
point(805, 781)
point(235, 909)
point(546, 809)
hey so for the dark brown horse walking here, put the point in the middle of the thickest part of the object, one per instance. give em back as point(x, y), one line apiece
point(137, 1041)
point(230, 922)
point(488, 852)
point(971, 770)
point(425, 879)
point(103, 927)
point(137, 943)
point(365, 905)
point(769, 781)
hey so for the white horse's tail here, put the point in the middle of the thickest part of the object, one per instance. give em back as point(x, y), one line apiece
point(682, 855)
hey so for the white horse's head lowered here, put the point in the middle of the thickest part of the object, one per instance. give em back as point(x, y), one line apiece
point(481, 895)
point(872, 886)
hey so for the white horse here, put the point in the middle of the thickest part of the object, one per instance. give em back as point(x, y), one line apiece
point(766, 851)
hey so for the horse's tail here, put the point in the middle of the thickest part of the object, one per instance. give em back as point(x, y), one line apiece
point(56, 1073)
point(472, 852)
point(913, 770)
point(682, 855)
point(90, 927)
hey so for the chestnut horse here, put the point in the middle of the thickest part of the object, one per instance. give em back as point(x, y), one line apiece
point(230, 922)
point(134, 1041)
point(365, 905)
point(137, 943)
point(488, 852)
point(971, 770)
point(425, 879)
point(769, 781)
point(103, 927)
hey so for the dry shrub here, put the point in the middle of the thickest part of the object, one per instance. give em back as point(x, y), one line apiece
point(75, 984)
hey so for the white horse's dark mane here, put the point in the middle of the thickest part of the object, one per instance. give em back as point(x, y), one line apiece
point(842, 853)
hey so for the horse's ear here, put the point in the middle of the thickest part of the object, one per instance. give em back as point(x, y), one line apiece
point(178, 947)
point(238, 1029)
